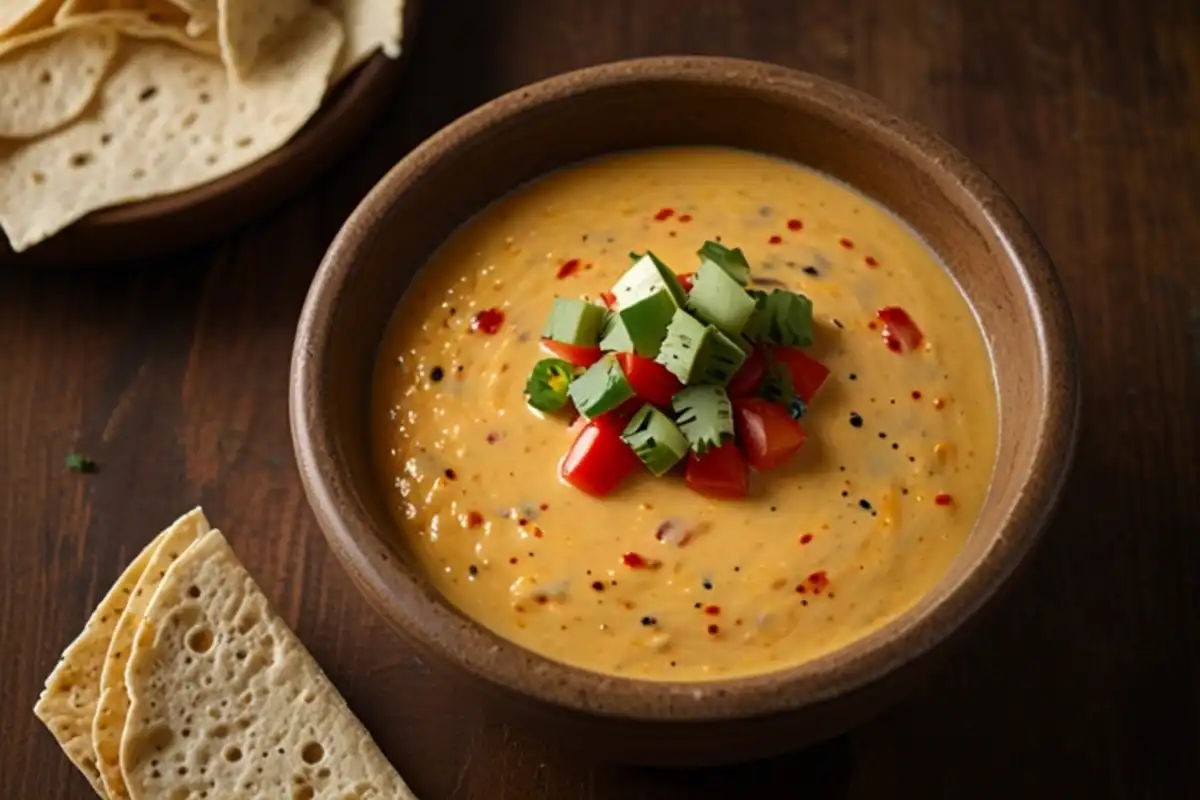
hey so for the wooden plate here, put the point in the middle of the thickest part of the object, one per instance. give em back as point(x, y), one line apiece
point(179, 220)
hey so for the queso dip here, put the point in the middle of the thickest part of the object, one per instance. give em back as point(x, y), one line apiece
point(654, 580)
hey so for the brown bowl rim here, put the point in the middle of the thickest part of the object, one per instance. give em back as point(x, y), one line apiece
point(445, 634)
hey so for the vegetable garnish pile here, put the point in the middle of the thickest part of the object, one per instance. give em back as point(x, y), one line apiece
point(670, 367)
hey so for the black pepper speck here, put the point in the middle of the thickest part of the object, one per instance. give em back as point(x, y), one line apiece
point(436, 374)
point(864, 504)
point(811, 271)
point(855, 419)
point(649, 621)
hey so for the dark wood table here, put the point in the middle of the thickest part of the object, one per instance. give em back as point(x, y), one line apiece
point(1085, 683)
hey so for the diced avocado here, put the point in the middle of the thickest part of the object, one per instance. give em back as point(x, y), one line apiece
point(548, 384)
point(656, 439)
point(614, 336)
point(732, 260)
point(574, 321)
point(782, 317)
point(647, 276)
point(681, 350)
point(602, 388)
point(642, 324)
point(697, 353)
point(756, 326)
point(705, 416)
point(721, 359)
point(719, 299)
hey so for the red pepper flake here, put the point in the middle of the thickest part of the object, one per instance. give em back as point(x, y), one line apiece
point(795, 225)
point(939, 403)
point(492, 438)
point(541, 599)
point(899, 330)
point(806, 538)
point(712, 611)
point(846, 243)
point(638, 561)
point(916, 394)
point(537, 532)
point(609, 299)
point(871, 262)
point(714, 629)
point(801, 588)
point(598, 586)
point(664, 214)
point(522, 522)
point(568, 268)
point(872, 325)
point(818, 581)
point(685, 218)
point(512, 560)
point(943, 499)
point(775, 240)
point(544, 506)
point(487, 321)
point(474, 519)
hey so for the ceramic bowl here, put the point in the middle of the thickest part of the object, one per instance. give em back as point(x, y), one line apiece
point(987, 246)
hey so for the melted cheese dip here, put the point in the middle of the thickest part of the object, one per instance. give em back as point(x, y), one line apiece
point(837, 542)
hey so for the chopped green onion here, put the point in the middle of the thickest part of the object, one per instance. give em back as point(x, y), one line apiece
point(705, 416)
point(656, 440)
point(602, 388)
point(546, 389)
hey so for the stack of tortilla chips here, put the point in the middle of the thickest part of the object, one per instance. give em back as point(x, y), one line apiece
point(185, 684)
point(106, 102)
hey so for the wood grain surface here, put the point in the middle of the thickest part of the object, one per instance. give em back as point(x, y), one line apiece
point(1084, 683)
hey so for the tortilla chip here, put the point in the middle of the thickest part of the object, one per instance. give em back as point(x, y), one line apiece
point(50, 82)
point(371, 25)
point(113, 705)
point(165, 121)
point(68, 703)
point(22, 16)
point(225, 700)
point(246, 27)
point(140, 19)
point(202, 16)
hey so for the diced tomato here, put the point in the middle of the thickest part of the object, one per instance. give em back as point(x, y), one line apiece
point(899, 330)
point(767, 432)
point(609, 299)
point(746, 380)
point(807, 373)
point(598, 460)
point(579, 355)
point(650, 380)
point(685, 280)
point(721, 472)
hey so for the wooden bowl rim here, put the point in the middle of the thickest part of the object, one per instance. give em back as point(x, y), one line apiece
point(501, 664)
